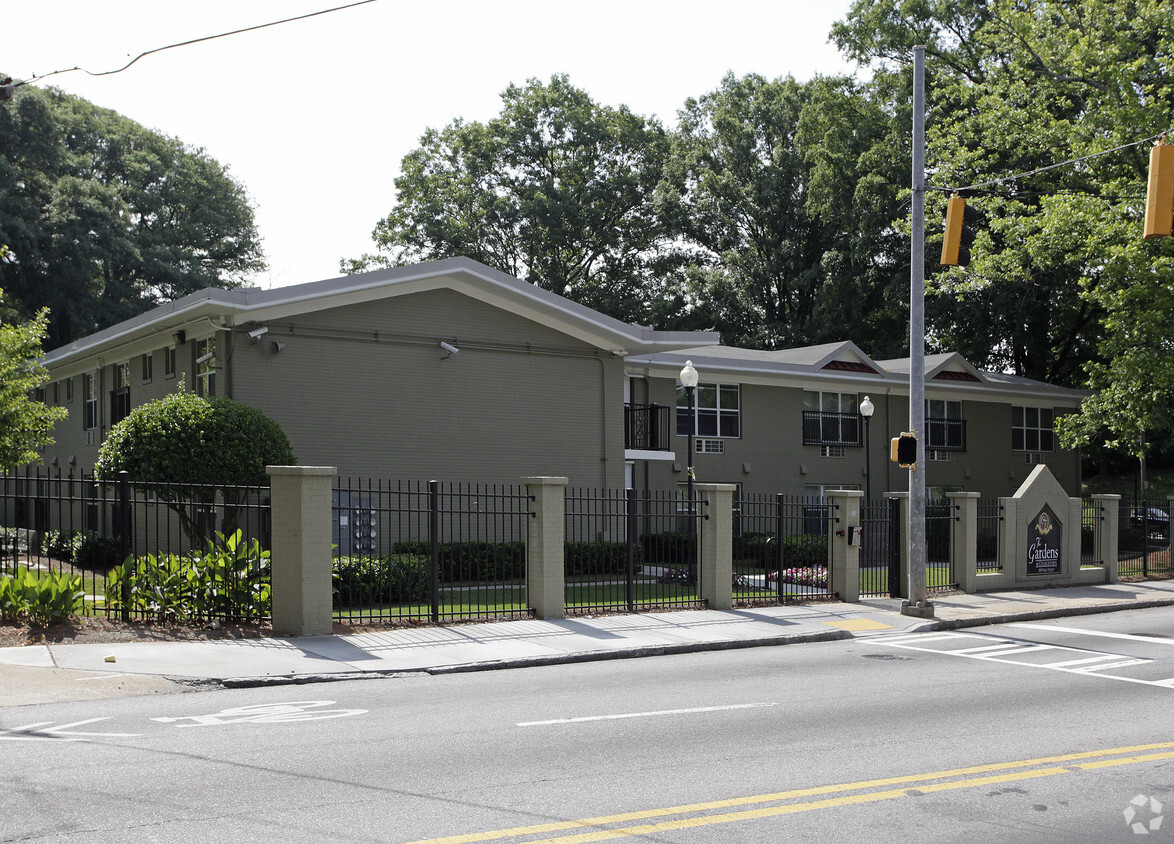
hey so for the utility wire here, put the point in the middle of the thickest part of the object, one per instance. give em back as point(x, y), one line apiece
point(1018, 176)
point(193, 41)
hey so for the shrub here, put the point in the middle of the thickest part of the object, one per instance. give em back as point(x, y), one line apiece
point(93, 551)
point(365, 580)
point(45, 598)
point(229, 579)
point(472, 562)
point(672, 547)
point(589, 558)
point(61, 544)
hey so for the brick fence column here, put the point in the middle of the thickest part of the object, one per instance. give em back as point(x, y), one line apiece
point(844, 543)
point(546, 547)
point(716, 553)
point(964, 539)
point(302, 516)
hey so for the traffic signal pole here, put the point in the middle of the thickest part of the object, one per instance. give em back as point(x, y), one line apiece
point(916, 604)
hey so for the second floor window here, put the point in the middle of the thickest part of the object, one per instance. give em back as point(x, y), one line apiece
point(718, 411)
point(831, 419)
point(1031, 429)
point(90, 381)
point(206, 367)
point(120, 395)
point(944, 426)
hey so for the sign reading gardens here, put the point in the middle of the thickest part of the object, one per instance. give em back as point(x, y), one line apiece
point(1044, 543)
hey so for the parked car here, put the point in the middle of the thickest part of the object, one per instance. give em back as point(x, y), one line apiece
point(1154, 519)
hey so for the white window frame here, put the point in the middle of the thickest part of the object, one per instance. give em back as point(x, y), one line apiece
point(723, 415)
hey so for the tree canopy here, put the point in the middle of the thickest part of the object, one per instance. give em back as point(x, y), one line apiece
point(1061, 287)
point(557, 190)
point(106, 219)
point(25, 422)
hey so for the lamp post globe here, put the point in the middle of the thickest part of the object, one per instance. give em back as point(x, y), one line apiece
point(867, 408)
point(689, 379)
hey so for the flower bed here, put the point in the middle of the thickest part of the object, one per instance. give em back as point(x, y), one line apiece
point(816, 576)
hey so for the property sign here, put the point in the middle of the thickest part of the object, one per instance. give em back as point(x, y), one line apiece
point(1044, 544)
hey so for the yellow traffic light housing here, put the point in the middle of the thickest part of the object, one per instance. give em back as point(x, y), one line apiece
point(903, 450)
point(958, 235)
point(1159, 196)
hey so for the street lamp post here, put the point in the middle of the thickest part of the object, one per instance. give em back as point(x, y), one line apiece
point(867, 408)
point(689, 378)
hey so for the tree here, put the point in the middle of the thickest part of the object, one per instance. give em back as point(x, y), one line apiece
point(557, 191)
point(786, 194)
point(1013, 88)
point(106, 219)
point(25, 422)
point(193, 447)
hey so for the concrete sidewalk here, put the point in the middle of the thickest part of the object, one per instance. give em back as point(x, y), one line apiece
point(510, 644)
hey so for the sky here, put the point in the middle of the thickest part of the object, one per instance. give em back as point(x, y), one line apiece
point(313, 117)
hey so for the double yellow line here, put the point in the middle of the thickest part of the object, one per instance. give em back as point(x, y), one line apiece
point(971, 777)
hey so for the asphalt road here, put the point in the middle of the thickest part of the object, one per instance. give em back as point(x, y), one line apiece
point(1050, 731)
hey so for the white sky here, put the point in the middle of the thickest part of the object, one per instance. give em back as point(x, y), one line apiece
point(314, 116)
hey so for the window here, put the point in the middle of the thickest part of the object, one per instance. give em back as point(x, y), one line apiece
point(831, 419)
point(90, 380)
point(56, 392)
point(120, 395)
point(206, 367)
point(69, 389)
point(1031, 429)
point(717, 408)
point(944, 426)
point(169, 362)
point(148, 368)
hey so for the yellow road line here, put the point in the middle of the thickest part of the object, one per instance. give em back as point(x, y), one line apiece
point(600, 835)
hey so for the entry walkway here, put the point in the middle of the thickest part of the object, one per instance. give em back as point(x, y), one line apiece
point(511, 644)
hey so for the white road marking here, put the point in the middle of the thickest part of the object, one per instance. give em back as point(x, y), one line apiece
point(644, 714)
point(1089, 665)
point(266, 713)
point(1102, 634)
point(39, 731)
point(102, 677)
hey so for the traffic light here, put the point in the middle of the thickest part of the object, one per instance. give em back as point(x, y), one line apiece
point(1159, 195)
point(958, 234)
point(903, 450)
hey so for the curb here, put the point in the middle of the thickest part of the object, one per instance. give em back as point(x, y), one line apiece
point(1036, 615)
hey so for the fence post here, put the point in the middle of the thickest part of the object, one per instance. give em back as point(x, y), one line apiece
point(124, 536)
point(716, 570)
point(630, 547)
point(1009, 538)
point(546, 532)
point(1109, 507)
point(302, 514)
point(964, 539)
point(434, 550)
point(844, 543)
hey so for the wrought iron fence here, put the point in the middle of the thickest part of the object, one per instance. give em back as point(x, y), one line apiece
point(988, 533)
point(631, 549)
point(880, 548)
point(415, 551)
point(940, 520)
point(1092, 517)
point(1143, 537)
point(781, 550)
point(143, 550)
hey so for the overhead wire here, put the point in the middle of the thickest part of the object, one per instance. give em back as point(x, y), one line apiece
point(36, 78)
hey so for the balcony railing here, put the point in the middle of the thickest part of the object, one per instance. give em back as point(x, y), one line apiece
point(945, 434)
point(820, 428)
point(646, 427)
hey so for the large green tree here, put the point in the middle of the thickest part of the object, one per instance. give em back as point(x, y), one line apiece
point(1014, 88)
point(26, 423)
point(106, 218)
point(785, 193)
point(556, 190)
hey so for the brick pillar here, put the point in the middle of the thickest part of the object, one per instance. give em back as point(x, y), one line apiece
point(903, 580)
point(716, 550)
point(546, 547)
point(844, 543)
point(1110, 516)
point(302, 515)
point(964, 539)
point(1009, 538)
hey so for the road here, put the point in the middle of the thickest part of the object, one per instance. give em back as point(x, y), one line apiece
point(1050, 731)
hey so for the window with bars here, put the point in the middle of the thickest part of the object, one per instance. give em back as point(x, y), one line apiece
point(944, 426)
point(831, 419)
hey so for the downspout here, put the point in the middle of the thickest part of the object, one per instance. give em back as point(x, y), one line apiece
point(604, 411)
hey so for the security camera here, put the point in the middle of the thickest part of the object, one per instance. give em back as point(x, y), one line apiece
point(256, 333)
point(450, 348)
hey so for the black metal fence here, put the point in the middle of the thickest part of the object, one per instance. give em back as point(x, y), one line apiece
point(628, 550)
point(415, 551)
point(880, 548)
point(1143, 537)
point(988, 535)
point(142, 550)
point(781, 550)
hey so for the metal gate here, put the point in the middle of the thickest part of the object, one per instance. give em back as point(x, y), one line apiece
point(880, 549)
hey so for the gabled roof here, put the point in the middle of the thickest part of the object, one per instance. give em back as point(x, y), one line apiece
point(946, 366)
point(229, 308)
